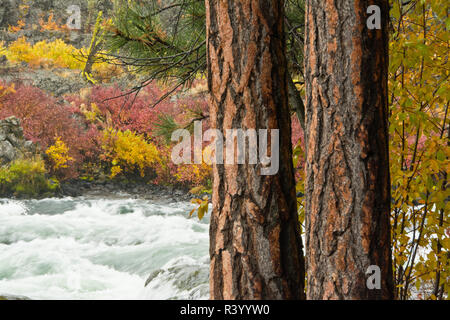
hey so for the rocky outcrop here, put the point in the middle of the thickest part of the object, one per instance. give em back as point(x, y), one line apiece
point(13, 145)
point(50, 80)
point(31, 12)
point(8, 16)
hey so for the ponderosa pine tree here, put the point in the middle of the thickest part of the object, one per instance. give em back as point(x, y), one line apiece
point(165, 40)
point(255, 243)
point(348, 184)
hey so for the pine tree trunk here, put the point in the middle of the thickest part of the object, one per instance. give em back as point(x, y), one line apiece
point(255, 246)
point(348, 182)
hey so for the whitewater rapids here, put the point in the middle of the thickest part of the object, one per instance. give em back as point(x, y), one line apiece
point(80, 248)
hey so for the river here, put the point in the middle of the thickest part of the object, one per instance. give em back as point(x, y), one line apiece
point(96, 248)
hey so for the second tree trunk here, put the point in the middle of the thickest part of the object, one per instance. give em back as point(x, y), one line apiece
point(348, 184)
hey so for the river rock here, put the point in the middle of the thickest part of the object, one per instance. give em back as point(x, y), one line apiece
point(13, 145)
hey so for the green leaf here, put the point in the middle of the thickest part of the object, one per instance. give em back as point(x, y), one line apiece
point(440, 155)
point(202, 211)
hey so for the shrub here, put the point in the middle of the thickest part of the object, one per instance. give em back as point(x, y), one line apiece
point(44, 120)
point(4, 90)
point(166, 170)
point(138, 115)
point(26, 178)
point(129, 153)
point(17, 28)
point(187, 175)
point(197, 175)
point(58, 155)
point(131, 139)
point(51, 25)
point(55, 54)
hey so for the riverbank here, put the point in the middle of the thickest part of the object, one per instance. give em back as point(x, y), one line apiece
point(133, 190)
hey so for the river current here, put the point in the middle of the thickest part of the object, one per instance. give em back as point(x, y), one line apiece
point(94, 248)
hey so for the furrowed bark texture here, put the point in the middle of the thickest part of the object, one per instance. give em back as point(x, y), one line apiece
point(348, 182)
point(255, 246)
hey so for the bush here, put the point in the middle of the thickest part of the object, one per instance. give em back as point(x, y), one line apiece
point(59, 158)
point(134, 140)
point(195, 175)
point(44, 121)
point(26, 178)
point(55, 54)
point(138, 115)
point(129, 152)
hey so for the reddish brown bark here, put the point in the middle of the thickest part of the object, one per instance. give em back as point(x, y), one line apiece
point(348, 183)
point(255, 246)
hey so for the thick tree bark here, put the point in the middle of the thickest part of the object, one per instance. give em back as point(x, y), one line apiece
point(295, 99)
point(348, 183)
point(255, 246)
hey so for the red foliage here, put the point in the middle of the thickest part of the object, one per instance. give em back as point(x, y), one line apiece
point(297, 132)
point(127, 112)
point(43, 120)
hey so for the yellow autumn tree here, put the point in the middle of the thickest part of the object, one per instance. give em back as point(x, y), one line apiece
point(419, 148)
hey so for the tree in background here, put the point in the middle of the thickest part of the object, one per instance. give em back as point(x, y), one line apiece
point(347, 161)
point(420, 148)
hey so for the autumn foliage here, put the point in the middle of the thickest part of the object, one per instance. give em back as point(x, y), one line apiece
point(45, 121)
point(420, 149)
point(55, 54)
point(101, 128)
point(94, 129)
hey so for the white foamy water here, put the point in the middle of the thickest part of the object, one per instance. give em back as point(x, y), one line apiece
point(102, 249)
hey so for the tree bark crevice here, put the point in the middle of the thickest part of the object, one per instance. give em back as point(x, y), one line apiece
point(255, 243)
point(347, 182)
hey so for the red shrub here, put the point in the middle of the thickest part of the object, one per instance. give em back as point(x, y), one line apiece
point(43, 120)
point(297, 132)
point(135, 114)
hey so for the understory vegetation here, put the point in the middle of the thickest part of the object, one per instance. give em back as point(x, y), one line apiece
point(26, 177)
point(90, 137)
